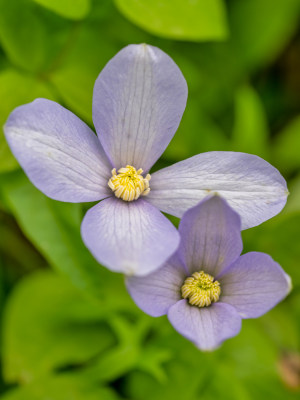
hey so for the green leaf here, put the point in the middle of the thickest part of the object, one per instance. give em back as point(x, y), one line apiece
point(250, 131)
point(261, 29)
point(22, 33)
point(48, 324)
point(286, 146)
point(73, 9)
point(293, 204)
point(75, 78)
point(196, 20)
point(62, 387)
point(278, 237)
point(54, 228)
point(197, 133)
point(16, 88)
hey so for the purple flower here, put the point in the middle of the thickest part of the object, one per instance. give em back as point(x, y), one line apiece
point(206, 288)
point(138, 102)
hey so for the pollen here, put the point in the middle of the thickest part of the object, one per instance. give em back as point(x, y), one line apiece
point(201, 289)
point(129, 184)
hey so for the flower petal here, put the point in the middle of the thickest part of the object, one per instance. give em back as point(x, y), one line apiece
point(254, 284)
point(157, 292)
point(130, 237)
point(60, 154)
point(139, 99)
point(207, 327)
point(252, 187)
point(210, 236)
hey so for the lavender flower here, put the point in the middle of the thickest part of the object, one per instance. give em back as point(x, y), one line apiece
point(206, 288)
point(138, 102)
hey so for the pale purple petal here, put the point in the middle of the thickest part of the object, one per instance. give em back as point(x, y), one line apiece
point(210, 236)
point(139, 99)
point(254, 284)
point(59, 153)
point(207, 327)
point(157, 292)
point(130, 237)
point(252, 187)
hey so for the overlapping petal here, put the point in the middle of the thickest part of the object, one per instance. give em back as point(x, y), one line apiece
point(130, 237)
point(139, 99)
point(252, 187)
point(157, 292)
point(254, 284)
point(60, 154)
point(210, 236)
point(207, 327)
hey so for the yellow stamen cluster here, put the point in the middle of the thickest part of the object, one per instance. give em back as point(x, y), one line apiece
point(129, 184)
point(201, 289)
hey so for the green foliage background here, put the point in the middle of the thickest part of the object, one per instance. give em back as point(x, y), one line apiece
point(69, 330)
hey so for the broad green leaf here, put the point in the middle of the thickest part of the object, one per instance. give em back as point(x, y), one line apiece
point(197, 133)
point(280, 324)
point(16, 88)
point(261, 29)
point(1, 290)
point(286, 146)
point(278, 237)
point(75, 78)
point(293, 204)
point(250, 131)
point(131, 352)
point(54, 228)
point(48, 324)
point(196, 20)
point(63, 387)
point(22, 33)
point(26, 258)
point(73, 9)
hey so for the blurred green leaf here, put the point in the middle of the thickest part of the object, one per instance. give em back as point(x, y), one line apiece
point(278, 237)
point(193, 20)
point(261, 29)
point(16, 88)
point(22, 34)
point(48, 324)
point(286, 146)
point(280, 325)
point(250, 131)
point(293, 203)
point(130, 352)
point(74, 79)
point(152, 360)
point(1, 291)
point(197, 133)
point(62, 387)
point(73, 9)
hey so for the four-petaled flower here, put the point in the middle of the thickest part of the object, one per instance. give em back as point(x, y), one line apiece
point(206, 288)
point(138, 102)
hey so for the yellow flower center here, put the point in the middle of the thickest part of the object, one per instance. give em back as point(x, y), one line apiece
point(129, 184)
point(201, 289)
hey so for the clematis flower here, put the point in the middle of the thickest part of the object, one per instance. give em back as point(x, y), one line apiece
point(206, 288)
point(138, 102)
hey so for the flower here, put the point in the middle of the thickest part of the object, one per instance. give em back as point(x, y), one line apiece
point(138, 101)
point(206, 288)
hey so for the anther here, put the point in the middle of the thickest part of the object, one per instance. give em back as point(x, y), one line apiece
point(201, 289)
point(129, 184)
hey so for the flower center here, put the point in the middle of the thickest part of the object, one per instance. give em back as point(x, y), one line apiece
point(129, 184)
point(201, 289)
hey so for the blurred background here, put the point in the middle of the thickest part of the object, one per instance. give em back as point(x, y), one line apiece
point(69, 330)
